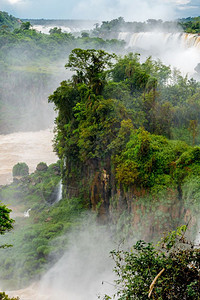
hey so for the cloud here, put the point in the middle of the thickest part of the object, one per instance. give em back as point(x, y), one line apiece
point(138, 10)
point(14, 1)
point(16, 8)
point(188, 7)
point(178, 2)
point(183, 2)
point(131, 10)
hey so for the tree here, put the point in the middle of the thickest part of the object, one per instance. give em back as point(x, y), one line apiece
point(90, 67)
point(42, 167)
point(55, 30)
point(5, 221)
point(25, 26)
point(20, 169)
point(169, 270)
point(84, 34)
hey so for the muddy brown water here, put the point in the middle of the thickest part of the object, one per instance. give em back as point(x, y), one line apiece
point(29, 147)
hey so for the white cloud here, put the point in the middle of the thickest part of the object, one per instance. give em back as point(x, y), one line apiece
point(182, 2)
point(188, 7)
point(178, 2)
point(14, 1)
point(138, 10)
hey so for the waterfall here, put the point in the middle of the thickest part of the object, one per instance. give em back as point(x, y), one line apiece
point(149, 40)
point(59, 192)
point(180, 50)
point(26, 213)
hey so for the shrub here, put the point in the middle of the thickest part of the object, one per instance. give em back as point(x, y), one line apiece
point(42, 167)
point(20, 169)
point(169, 270)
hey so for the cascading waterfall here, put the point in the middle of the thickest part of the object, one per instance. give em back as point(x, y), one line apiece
point(149, 40)
point(180, 50)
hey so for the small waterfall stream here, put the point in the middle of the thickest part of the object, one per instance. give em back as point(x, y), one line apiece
point(59, 192)
point(27, 214)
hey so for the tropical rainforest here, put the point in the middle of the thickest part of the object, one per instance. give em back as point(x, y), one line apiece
point(31, 68)
point(127, 136)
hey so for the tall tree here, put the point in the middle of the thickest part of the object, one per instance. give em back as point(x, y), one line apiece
point(90, 67)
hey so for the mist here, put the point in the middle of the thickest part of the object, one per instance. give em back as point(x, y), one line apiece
point(25, 94)
point(85, 271)
point(68, 26)
point(177, 49)
point(161, 40)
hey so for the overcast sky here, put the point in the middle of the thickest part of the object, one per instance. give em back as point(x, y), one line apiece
point(138, 10)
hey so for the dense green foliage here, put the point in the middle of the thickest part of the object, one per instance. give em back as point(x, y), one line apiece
point(42, 167)
point(115, 118)
point(113, 27)
point(190, 25)
point(34, 46)
point(20, 169)
point(167, 271)
point(6, 223)
point(8, 22)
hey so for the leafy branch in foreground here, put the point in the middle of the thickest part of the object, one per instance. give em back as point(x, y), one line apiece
point(5, 221)
point(3, 296)
point(5, 225)
point(169, 270)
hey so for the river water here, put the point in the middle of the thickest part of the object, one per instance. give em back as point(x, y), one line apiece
point(29, 147)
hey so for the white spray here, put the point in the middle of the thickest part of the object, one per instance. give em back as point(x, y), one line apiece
point(180, 50)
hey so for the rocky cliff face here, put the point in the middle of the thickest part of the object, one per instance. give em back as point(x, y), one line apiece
point(149, 214)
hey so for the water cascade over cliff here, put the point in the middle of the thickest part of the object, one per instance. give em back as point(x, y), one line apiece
point(181, 50)
point(151, 40)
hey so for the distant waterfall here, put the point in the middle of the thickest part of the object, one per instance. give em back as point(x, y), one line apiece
point(159, 40)
point(180, 50)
